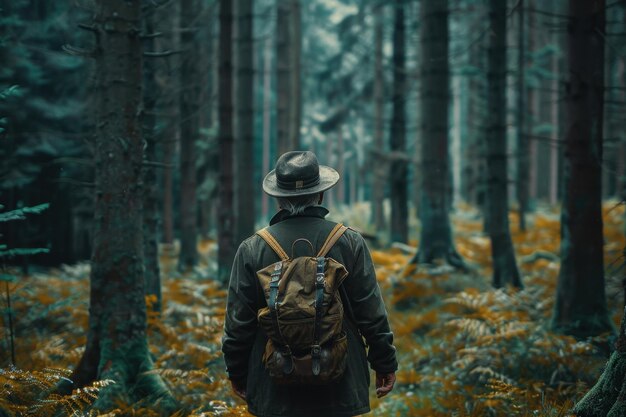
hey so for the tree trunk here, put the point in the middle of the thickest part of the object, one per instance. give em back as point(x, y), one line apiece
point(267, 121)
point(117, 347)
point(283, 77)
point(554, 121)
point(613, 122)
point(555, 109)
point(207, 167)
point(523, 140)
point(244, 163)
point(533, 118)
point(607, 398)
point(288, 91)
point(504, 267)
point(170, 135)
point(378, 166)
point(189, 135)
point(436, 234)
point(329, 195)
point(295, 64)
point(341, 163)
point(152, 272)
point(580, 308)
point(398, 173)
point(226, 239)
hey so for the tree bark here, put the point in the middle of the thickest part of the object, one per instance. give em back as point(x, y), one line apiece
point(295, 60)
point(399, 170)
point(244, 141)
point(170, 135)
point(580, 308)
point(378, 167)
point(288, 97)
point(267, 121)
point(532, 106)
point(226, 208)
point(189, 135)
point(436, 234)
point(607, 398)
point(341, 163)
point(117, 347)
point(613, 122)
point(152, 273)
point(207, 167)
point(504, 267)
point(523, 140)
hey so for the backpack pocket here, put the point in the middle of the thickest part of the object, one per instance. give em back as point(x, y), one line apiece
point(298, 369)
point(298, 332)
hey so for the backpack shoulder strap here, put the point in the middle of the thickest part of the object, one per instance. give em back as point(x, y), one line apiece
point(332, 238)
point(273, 243)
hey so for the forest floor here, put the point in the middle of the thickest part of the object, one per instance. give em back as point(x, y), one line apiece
point(464, 348)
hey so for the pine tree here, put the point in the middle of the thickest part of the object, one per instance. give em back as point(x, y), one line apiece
point(226, 221)
point(580, 307)
point(436, 233)
point(504, 267)
point(117, 346)
point(378, 168)
point(397, 135)
point(151, 218)
point(244, 141)
point(189, 134)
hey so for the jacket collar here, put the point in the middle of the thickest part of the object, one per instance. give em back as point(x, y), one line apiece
point(313, 211)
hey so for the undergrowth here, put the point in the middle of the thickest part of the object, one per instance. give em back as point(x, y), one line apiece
point(464, 348)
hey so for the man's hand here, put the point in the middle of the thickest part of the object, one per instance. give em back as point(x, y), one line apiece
point(384, 383)
point(239, 389)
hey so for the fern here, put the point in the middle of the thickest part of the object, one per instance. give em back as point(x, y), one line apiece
point(31, 393)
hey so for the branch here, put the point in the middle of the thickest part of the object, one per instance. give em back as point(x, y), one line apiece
point(90, 28)
point(68, 159)
point(75, 182)
point(393, 156)
point(75, 51)
point(156, 164)
point(151, 35)
point(151, 54)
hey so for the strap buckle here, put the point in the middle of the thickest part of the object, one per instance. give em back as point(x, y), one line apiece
point(316, 353)
point(275, 277)
point(319, 275)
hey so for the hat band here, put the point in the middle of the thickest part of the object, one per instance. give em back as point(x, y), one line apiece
point(298, 184)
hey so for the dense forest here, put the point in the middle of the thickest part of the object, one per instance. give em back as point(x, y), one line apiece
point(482, 151)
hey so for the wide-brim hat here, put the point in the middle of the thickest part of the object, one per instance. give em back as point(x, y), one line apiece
point(298, 173)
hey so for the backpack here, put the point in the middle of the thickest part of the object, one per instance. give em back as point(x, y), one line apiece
point(303, 319)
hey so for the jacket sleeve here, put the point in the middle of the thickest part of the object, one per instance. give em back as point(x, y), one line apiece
point(368, 308)
point(240, 323)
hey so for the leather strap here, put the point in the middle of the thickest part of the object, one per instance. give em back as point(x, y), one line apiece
point(272, 303)
point(332, 238)
point(320, 282)
point(270, 240)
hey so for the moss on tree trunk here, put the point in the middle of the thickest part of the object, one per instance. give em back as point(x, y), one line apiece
point(608, 396)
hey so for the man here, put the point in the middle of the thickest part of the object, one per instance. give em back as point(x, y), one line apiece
point(298, 181)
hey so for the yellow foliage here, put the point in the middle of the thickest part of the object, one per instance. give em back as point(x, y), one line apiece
point(465, 349)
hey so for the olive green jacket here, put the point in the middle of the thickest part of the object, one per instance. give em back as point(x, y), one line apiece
point(243, 341)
